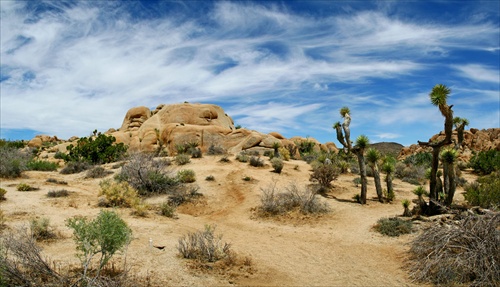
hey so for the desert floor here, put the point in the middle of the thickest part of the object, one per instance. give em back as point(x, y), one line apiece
point(337, 249)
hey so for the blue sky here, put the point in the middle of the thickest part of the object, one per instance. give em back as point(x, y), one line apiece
point(69, 67)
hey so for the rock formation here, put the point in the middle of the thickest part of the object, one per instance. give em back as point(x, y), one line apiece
point(474, 141)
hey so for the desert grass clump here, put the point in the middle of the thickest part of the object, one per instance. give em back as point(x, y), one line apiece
point(277, 164)
point(276, 202)
point(182, 159)
point(168, 210)
point(186, 176)
point(393, 226)
point(224, 159)
point(242, 157)
point(406, 206)
point(463, 253)
point(25, 187)
point(210, 178)
point(148, 175)
point(58, 193)
point(75, 167)
point(14, 162)
point(2, 194)
point(117, 194)
point(256, 161)
point(41, 229)
point(204, 245)
point(53, 180)
point(97, 172)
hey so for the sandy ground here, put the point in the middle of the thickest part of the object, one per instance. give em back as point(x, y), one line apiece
point(337, 249)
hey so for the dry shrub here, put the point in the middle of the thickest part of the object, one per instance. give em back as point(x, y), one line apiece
point(324, 174)
point(277, 164)
point(276, 202)
point(25, 187)
point(98, 172)
point(75, 167)
point(118, 194)
point(203, 245)
point(41, 229)
point(256, 161)
point(184, 194)
point(461, 252)
point(58, 193)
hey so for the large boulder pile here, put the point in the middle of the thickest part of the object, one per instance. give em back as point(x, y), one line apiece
point(176, 124)
point(474, 141)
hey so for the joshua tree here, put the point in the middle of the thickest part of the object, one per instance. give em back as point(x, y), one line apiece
point(406, 206)
point(460, 124)
point(344, 137)
point(448, 157)
point(438, 97)
point(373, 156)
point(388, 168)
point(276, 146)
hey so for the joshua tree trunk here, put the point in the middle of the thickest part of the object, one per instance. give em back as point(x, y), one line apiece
point(388, 181)
point(452, 185)
point(439, 185)
point(378, 185)
point(362, 173)
point(446, 179)
point(347, 131)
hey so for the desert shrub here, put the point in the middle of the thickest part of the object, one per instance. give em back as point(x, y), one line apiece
point(215, 150)
point(324, 174)
point(285, 153)
point(118, 194)
point(96, 150)
point(168, 210)
point(485, 162)
point(484, 192)
point(247, 178)
point(421, 159)
point(42, 165)
point(305, 147)
point(59, 155)
point(466, 252)
point(276, 202)
point(242, 157)
point(182, 159)
point(186, 176)
point(75, 167)
point(393, 226)
point(2, 194)
point(210, 178)
point(58, 193)
point(106, 235)
point(41, 229)
point(196, 153)
point(256, 161)
point(25, 187)
point(277, 164)
point(203, 245)
point(17, 144)
point(224, 158)
point(14, 162)
point(183, 194)
point(148, 175)
point(97, 172)
point(414, 174)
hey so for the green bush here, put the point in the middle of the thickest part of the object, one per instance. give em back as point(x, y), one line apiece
point(96, 150)
point(75, 167)
point(106, 235)
point(18, 144)
point(393, 226)
point(485, 162)
point(182, 159)
point(25, 187)
point(148, 175)
point(117, 194)
point(42, 165)
point(203, 245)
point(2, 194)
point(484, 192)
point(186, 176)
point(277, 164)
point(421, 159)
point(13, 162)
point(305, 147)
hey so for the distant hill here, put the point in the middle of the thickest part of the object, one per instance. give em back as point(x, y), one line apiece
point(388, 148)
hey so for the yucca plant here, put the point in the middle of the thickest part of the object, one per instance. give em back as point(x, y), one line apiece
point(388, 167)
point(406, 206)
point(373, 156)
point(420, 192)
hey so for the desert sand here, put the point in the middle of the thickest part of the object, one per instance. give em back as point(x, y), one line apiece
point(336, 249)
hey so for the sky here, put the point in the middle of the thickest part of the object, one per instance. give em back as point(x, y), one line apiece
point(69, 67)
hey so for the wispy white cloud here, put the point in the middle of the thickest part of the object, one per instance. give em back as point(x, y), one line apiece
point(480, 73)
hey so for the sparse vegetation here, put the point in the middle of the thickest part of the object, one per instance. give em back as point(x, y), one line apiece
point(148, 175)
point(58, 193)
point(41, 229)
point(204, 245)
point(462, 253)
point(276, 202)
point(393, 226)
point(98, 172)
point(75, 167)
